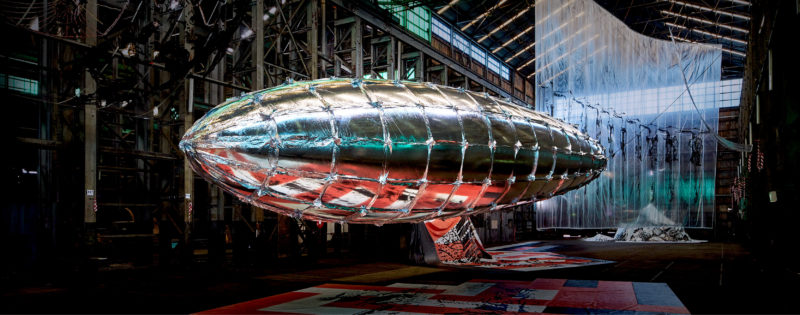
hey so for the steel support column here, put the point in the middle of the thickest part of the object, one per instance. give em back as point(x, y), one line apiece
point(188, 174)
point(258, 45)
point(400, 65)
point(90, 122)
point(312, 37)
point(390, 60)
point(419, 68)
point(186, 109)
point(324, 41)
point(444, 75)
point(357, 53)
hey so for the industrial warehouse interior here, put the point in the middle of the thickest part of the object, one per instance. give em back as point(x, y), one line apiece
point(400, 156)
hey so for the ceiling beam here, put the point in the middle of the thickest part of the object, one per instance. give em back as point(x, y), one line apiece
point(530, 28)
point(730, 51)
point(483, 15)
point(518, 15)
point(707, 9)
point(730, 39)
point(704, 21)
point(447, 7)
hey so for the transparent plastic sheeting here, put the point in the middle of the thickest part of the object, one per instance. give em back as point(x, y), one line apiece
point(627, 91)
point(377, 151)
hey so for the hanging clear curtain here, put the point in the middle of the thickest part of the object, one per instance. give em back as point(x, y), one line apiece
point(627, 91)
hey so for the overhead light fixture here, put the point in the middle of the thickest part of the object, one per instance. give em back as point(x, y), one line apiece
point(270, 13)
point(747, 3)
point(34, 25)
point(129, 50)
point(245, 32)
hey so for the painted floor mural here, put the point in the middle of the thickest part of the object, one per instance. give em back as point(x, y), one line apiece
point(474, 296)
point(529, 256)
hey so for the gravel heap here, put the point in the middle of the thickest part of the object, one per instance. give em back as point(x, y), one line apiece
point(652, 234)
point(599, 238)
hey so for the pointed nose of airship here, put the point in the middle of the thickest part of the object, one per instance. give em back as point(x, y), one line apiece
point(226, 140)
point(220, 123)
point(204, 131)
point(186, 145)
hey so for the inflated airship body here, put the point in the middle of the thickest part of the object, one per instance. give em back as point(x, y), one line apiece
point(374, 151)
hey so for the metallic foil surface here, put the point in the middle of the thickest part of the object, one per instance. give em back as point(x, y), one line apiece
point(376, 151)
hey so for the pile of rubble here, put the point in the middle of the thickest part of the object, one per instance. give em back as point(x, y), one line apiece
point(652, 234)
point(599, 238)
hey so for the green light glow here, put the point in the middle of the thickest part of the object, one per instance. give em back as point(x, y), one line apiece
point(19, 84)
point(417, 19)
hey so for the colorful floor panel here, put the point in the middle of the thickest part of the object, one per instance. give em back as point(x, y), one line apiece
point(529, 256)
point(532, 246)
point(475, 296)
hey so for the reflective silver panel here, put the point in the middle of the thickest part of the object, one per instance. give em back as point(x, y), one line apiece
point(383, 152)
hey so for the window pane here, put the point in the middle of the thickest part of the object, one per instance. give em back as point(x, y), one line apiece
point(493, 65)
point(504, 73)
point(441, 29)
point(460, 42)
point(478, 54)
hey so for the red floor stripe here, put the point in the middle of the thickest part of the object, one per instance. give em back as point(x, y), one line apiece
point(253, 306)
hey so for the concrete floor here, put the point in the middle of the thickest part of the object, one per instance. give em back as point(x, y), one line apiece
point(707, 277)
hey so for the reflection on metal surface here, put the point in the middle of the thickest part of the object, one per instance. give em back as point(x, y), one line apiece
point(384, 152)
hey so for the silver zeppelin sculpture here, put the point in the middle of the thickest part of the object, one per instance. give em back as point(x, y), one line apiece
point(376, 151)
